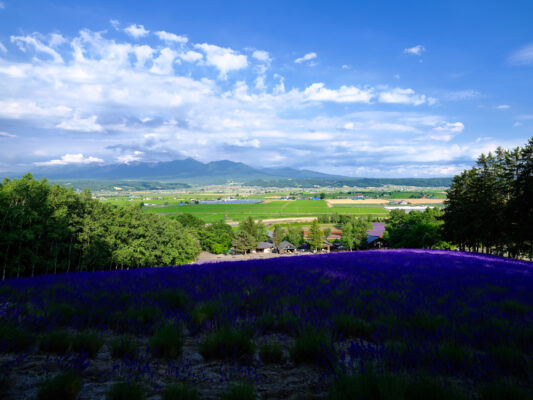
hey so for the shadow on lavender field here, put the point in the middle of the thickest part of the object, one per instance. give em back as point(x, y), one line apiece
point(391, 324)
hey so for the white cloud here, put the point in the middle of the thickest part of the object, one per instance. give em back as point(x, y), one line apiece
point(345, 66)
point(23, 42)
point(2, 5)
point(262, 55)
point(467, 94)
point(115, 24)
point(415, 50)
point(307, 57)
point(71, 159)
point(403, 96)
point(128, 158)
point(171, 37)
point(523, 56)
point(346, 94)
point(137, 31)
point(503, 107)
point(191, 56)
point(56, 40)
point(2, 48)
point(81, 124)
point(164, 63)
point(517, 124)
point(8, 135)
point(224, 59)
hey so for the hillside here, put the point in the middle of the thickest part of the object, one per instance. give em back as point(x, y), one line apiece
point(284, 324)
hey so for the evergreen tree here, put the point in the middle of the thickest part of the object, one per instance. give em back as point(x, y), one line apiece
point(316, 236)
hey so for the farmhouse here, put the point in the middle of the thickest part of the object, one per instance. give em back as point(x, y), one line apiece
point(374, 236)
point(286, 247)
point(264, 247)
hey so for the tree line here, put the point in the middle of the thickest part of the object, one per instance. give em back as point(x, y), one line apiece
point(48, 229)
point(490, 206)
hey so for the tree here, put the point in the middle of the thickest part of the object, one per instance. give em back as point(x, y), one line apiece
point(255, 229)
point(243, 242)
point(216, 237)
point(295, 235)
point(327, 232)
point(277, 236)
point(347, 236)
point(359, 228)
point(316, 236)
point(414, 230)
point(322, 196)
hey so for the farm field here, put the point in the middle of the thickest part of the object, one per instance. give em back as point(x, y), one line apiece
point(391, 324)
point(265, 210)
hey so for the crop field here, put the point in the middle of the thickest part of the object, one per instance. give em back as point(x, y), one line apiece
point(265, 210)
point(391, 324)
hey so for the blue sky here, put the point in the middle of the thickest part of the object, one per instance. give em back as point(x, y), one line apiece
point(380, 89)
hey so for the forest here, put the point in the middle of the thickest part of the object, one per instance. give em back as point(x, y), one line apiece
point(489, 207)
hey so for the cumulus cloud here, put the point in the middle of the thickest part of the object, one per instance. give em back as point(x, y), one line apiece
point(307, 57)
point(523, 56)
point(224, 59)
point(77, 123)
point(2, 48)
point(78, 158)
point(8, 135)
point(171, 37)
point(115, 24)
point(262, 55)
point(345, 94)
point(153, 106)
point(26, 42)
point(191, 56)
point(503, 106)
point(404, 96)
point(137, 31)
point(415, 50)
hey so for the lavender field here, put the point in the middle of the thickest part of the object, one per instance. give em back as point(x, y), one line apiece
point(391, 324)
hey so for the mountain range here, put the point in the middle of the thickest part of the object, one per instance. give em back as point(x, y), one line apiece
point(178, 170)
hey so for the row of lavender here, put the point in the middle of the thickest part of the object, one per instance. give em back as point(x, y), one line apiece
point(445, 313)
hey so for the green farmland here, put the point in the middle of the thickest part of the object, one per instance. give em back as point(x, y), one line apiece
point(265, 210)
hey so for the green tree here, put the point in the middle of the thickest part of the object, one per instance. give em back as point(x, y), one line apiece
point(316, 236)
point(243, 242)
point(295, 235)
point(277, 236)
point(347, 237)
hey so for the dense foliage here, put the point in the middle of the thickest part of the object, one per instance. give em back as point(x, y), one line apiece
point(490, 206)
point(423, 321)
point(48, 228)
point(415, 229)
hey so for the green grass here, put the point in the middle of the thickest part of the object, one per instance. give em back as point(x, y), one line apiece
point(167, 342)
point(268, 210)
point(56, 341)
point(126, 391)
point(227, 343)
point(180, 391)
point(88, 342)
point(63, 386)
point(271, 353)
point(315, 348)
point(239, 391)
point(123, 346)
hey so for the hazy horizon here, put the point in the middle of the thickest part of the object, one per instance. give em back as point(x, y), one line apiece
point(341, 88)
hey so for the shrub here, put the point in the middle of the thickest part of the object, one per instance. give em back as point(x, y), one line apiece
point(174, 298)
point(167, 341)
point(204, 312)
point(314, 347)
point(61, 313)
point(510, 361)
point(504, 390)
point(63, 386)
point(226, 343)
point(271, 353)
point(284, 323)
point(180, 391)
point(370, 385)
point(87, 342)
point(239, 391)
point(14, 339)
point(56, 341)
point(143, 315)
point(123, 346)
point(126, 391)
point(350, 326)
point(457, 356)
